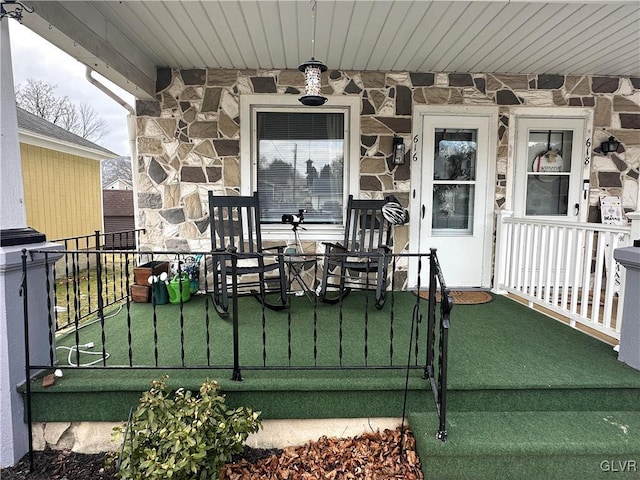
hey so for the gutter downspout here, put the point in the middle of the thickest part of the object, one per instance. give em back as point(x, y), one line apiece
point(131, 128)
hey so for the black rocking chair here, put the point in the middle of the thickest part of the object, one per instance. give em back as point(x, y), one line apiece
point(235, 231)
point(362, 261)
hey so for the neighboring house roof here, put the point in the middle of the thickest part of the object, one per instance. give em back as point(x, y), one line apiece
point(35, 130)
point(117, 203)
point(119, 184)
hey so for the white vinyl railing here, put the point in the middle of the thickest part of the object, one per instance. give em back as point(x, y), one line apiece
point(567, 268)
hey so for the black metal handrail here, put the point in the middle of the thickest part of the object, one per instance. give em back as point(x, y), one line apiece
point(435, 370)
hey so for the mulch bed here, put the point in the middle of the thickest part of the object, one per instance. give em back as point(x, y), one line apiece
point(380, 455)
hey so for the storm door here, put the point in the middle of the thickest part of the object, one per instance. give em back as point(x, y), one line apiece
point(456, 196)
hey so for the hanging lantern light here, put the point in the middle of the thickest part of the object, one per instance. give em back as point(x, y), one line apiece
point(313, 70)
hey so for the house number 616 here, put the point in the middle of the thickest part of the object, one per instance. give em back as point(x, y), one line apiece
point(414, 156)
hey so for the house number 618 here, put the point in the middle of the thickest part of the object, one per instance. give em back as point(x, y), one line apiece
point(587, 158)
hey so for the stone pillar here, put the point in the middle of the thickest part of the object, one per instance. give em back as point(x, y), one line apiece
point(629, 353)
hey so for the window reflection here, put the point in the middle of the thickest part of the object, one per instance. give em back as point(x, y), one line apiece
point(548, 172)
point(301, 165)
point(453, 207)
point(454, 176)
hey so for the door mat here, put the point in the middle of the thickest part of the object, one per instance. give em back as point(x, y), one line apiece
point(463, 297)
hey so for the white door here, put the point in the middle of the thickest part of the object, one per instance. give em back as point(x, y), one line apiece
point(453, 193)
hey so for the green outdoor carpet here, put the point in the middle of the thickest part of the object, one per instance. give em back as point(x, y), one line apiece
point(497, 345)
point(531, 445)
point(529, 397)
point(194, 336)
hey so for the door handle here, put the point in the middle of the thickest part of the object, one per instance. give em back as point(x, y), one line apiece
point(576, 209)
point(423, 211)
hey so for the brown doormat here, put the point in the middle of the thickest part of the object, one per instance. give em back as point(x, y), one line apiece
point(463, 297)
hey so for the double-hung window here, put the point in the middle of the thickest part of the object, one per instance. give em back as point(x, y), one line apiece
point(299, 158)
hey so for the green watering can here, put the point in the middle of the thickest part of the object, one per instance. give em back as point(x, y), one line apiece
point(179, 287)
point(160, 293)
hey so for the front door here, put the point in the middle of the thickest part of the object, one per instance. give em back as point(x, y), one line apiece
point(453, 194)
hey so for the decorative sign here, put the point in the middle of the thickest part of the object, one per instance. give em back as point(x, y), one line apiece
point(611, 214)
point(611, 211)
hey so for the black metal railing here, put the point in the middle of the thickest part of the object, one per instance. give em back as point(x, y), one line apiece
point(170, 330)
point(77, 273)
point(436, 372)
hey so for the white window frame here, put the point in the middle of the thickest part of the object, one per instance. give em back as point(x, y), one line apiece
point(349, 105)
point(548, 117)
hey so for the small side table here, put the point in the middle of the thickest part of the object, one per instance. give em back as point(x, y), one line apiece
point(297, 264)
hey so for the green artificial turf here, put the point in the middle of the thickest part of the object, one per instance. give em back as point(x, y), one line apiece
point(193, 336)
point(529, 397)
point(532, 445)
point(503, 344)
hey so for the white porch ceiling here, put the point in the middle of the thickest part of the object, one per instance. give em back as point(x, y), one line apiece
point(126, 40)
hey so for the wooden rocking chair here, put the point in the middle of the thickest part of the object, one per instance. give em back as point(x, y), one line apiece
point(362, 261)
point(235, 231)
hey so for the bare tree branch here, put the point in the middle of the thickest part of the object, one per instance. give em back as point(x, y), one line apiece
point(39, 98)
point(91, 126)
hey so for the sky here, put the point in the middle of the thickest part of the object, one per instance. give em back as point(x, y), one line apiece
point(34, 57)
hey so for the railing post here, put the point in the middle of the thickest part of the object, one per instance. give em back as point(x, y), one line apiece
point(100, 287)
point(431, 314)
point(500, 262)
point(24, 292)
point(443, 363)
point(634, 218)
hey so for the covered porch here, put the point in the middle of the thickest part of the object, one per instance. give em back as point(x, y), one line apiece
point(524, 391)
point(528, 396)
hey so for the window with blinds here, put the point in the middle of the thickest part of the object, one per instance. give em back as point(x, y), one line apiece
point(301, 165)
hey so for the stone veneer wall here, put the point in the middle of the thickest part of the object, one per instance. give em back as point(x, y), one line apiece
point(188, 139)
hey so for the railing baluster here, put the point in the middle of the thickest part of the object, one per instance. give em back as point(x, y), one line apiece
point(289, 352)
point(392, 309)
point(577, 270)
point(155, 324)
point(181, 309)
point(128, 307)
point(50, 320)
point(206, 309)
point(366, 311)
point(598, 274)
point(101, 306)
point(237, 375)
point(586, 275)
point(315, 317)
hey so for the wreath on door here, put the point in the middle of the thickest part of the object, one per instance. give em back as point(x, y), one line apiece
point(549, 161)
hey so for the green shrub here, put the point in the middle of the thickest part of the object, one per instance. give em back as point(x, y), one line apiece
point(182, 435)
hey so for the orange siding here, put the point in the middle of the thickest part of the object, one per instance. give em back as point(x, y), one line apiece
point(62, 192)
